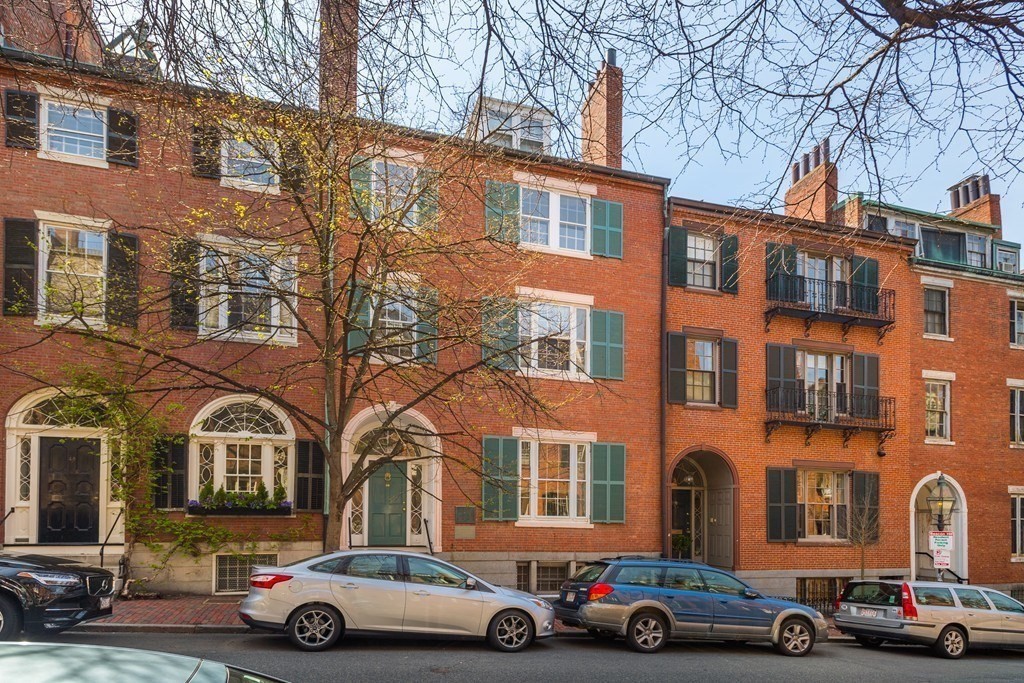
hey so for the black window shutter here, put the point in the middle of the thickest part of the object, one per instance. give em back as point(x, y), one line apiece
point(20, 251)
point(184, 270)
point(784, 392)
point(864, 282)
point(206, 151)
point(170, 472)
point(676, 367)
point(730, 369)
point(294, 170)
point(730, 246)
point(309, 476)
point(123, 279)
point(865, 506)
point(865, 385)
point(677, 256)
point(21, 115)
point(122, 137)
point(782, 506)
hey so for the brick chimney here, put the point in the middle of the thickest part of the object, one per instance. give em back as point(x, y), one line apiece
point(972, 199)
point(602, 116)
point(339, 49)
point(64, 29)
point(815, 187)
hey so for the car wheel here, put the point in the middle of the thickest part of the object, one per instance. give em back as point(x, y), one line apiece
point(647, 632)
point(869, 641)
point(952, 643)
point(795, 638)
point(601, 635)
point(510, 631)
point(10, 618)
point(315, 627)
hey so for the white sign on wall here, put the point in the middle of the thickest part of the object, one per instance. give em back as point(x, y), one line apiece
point(942, 558)
point(940, 540)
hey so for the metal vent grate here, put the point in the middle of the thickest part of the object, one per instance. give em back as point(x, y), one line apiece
point(233, 571)
point(523, 576)
point(550, 577)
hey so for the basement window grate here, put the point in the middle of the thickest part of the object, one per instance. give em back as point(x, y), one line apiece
point(232, 571)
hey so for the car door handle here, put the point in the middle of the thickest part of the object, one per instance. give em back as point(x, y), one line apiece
point(350, 586)
point(421, 593)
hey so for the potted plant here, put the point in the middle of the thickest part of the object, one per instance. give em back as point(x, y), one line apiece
point(258, 502)
point(681, 544)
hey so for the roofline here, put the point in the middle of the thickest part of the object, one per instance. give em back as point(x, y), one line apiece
point(914, 212)
point(781, 219)
point(101, 71)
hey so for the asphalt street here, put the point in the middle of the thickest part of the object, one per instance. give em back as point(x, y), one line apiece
point(565, 659)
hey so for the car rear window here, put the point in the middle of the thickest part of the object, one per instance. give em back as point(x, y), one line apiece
point(933, 597)
point(589, 573)
point(871, 593)
point(638, 575)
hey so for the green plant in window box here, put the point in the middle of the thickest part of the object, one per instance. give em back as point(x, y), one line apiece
point(221, 502)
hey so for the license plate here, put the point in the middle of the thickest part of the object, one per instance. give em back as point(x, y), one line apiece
point(570, 596)
point(105, 602)
point(864, 612)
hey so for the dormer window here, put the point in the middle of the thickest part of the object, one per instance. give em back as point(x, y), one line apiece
point(509, 125)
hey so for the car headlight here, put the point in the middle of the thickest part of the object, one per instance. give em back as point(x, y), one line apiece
point(53, 578)
point(543, 604)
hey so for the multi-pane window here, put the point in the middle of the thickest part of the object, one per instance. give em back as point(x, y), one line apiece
point(248, 294)
point(243, 467)
point(977, 251)
point(700, 370)
point(1017, 416)
point(516, 129)
point(1017, 322)
point(700, 260)
point(245, 162)
point(904, 228)
point(936, 405)
point(1017, 525)
point(556, 221)
point(823, 496)
point(554, 337)
point(820, 375)
point(1007, 260)
point(553, 480)
point(75, 266)
point(74, 129)
point(398, 325)
point(936, 311)
point(396, 192)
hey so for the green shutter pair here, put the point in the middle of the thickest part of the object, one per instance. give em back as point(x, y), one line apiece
point(606, 228)
point(501, 480)
point(729, 258)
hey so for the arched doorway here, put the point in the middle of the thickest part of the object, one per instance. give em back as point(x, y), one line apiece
point(924, 519)
point(702, 508)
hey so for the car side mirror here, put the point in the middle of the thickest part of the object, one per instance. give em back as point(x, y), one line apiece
point(470, 584)
point(751, 594)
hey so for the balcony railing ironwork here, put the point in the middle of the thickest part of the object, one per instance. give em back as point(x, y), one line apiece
point(815, 409)
point(828, 300)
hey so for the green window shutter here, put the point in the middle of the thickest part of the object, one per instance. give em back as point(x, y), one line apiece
point(782, 522)
point(500, 478)
point(606, 228)
point(865, 385)
point(20, 265)
point(677, 256)
point(122, 279)
point(502, 211)
point(729, 394)
point(499, 333)
point(608, 483)
point(780, 262)
point(676, 367)
point(427, 204)
point(730, 246)
point(426, 325)
point(607, 347)
point(361, 314)
point(360, 178)
point(784, 391)
point(864, 280)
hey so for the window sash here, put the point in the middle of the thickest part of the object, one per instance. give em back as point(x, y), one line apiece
point(977, 251)
point(1017, 525)
point(396, 189)
point(241, 161)
point(701, 370)
point(555, 337)
point(701, 260)
point(264, 460)
point(824, 495)
point(937, 410)
point(258, 282)
point(541, 211)
point(571, 484)
point(1017, 416)
point(76, 130)
point(74, 278)
point(936, 307)
point(398, 320)
point(1005, 257)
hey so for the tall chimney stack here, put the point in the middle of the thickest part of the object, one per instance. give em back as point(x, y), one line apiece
point(64, 29)
point(815, 187)
point(972, 199)
point(602, 116)
point(339, 48)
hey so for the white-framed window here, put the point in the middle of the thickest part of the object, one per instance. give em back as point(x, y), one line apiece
point(936, 311)
point(978, 251)
point(73, 265)
point(1007, 260)
point(904, 228)
point(1017, 416)
point(701, 260)
point(238, 444)
point(554, 480)
point(823, 495)
point(248, 164)
point(555, 221)
point(1017, 321)
point(74, 129)
point(701, 370)
point(555, 337)
point(1017, 525)
point(509, 125)
point(936, 404)
point(397, 192)
point(824, 380)
point(398, 321)
point(248, 291)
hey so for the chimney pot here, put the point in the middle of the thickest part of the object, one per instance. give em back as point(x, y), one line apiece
point(609, 56)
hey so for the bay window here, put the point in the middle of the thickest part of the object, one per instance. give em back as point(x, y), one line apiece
point(553, 480)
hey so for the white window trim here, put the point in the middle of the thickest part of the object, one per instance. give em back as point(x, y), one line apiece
point(554, 220)
point(554, 296)
point(47, 219)
point(228, 131)
point(572, 521)
point(939, 282)
point(948, 408)
point(58, 96)
point(716, 352)
point(395, 280)
point(574, 301)
point(559, 185)
point(945, 291)
point(847, 495)
point(559, 435)
point(412, 161)
point(1015, 383)
point(1017, 492)
point(938, 375)
point(716, 260)
point(514, 114)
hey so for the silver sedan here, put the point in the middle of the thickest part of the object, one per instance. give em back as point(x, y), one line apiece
point(317, 600)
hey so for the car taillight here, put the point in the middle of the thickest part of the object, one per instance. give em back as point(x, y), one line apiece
point(267, 580)
point(835, 605)
point(907, 605)
point(598, 591)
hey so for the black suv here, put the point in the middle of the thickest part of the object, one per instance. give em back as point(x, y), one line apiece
point(41, 594)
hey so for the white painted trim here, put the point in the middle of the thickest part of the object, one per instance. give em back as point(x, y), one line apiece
point(532, 434)
point(70, 219)
point(217, 403)
point(65, 96)
point(242, 243)
point(1015, 293)
point(932, 281)
point(571, 253)
point(937, 337)
point(403, 157)
point(535, 294)
point(932, 441)
point(554, 184)
point(537, 522)
point(940, 375)
point(242, 184)
point(78, 159)
point(1019, 383)
point(1017, 490)
point(913, 522)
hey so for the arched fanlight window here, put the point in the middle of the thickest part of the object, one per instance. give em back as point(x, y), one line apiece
point(64, 411)
point(388, 443)
point(687, 473)
point(247, 418)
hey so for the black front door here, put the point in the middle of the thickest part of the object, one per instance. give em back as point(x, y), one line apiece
point(69, 490)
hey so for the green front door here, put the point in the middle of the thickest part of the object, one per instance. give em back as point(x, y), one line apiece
point(387, 505)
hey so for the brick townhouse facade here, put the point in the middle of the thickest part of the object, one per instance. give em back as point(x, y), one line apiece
point(97, 179)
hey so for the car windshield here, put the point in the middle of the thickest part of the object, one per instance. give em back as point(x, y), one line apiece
point(871, 593)
point(589, 573)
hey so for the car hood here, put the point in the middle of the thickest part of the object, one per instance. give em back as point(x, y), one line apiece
point(513, 593)
point(783, 604)
point(45, 562)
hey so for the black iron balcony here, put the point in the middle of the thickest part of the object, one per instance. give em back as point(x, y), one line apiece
point(830, 301)
point(815, 410)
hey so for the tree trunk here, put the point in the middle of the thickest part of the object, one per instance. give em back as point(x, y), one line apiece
point(337, 500)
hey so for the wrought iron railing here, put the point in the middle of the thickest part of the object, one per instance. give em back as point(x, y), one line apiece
point(833, 297)
point(832, 408)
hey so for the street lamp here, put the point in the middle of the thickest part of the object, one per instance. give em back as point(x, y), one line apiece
point(942, 503)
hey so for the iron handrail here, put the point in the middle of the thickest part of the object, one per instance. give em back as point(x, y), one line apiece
point(832, 296)
point(832, 408)
point(959, 579)
point(430, 543)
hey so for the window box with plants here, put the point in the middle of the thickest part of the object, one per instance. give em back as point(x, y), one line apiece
point(245, 503)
